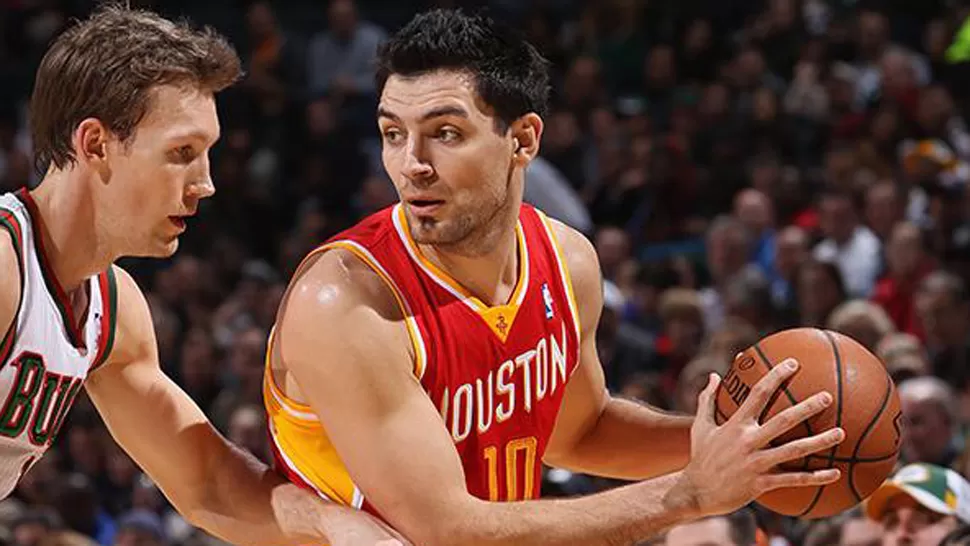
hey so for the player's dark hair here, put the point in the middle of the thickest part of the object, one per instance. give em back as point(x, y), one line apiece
point(510, 75)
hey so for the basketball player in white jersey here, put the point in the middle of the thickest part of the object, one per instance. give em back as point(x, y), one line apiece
point(123, 117)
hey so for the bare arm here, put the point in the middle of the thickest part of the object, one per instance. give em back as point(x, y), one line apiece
point(596, 433)
point(341, 338)
point(216, 485)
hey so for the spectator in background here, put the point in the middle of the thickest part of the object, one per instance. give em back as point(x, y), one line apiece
point(735, 529)
point(791, 251)
point(624, 349)
point(340, 61)
point(903, 356)
point(32, 527)
point(694, 377)
point(754, 209)
point(728, 251)
point(944, 310)
point(929, 408)
point(863, 321)
point(272, 63)
point(907, 264)
point(246, 362)
point(920, 505)
point(884, 208)
point(682, 333)
point(820, 290)
point(140, 528)
point(747, 296)
point(848, 244)
point(613, 248)
point(851, 528)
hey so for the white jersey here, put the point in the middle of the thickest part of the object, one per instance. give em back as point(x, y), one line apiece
point(44, 356)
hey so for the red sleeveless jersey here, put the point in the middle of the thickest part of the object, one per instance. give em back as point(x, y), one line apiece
point(497, 374)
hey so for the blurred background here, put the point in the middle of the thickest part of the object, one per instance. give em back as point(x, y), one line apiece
point(741, 165)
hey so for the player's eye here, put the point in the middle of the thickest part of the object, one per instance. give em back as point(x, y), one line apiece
point(184, 154)
point(448, 135)
point(392, 136)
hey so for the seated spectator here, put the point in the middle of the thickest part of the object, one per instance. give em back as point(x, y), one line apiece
point(729, 340)
point(920, 505)
point(848, 243)
point(904, 356)
point(694, 377)
point(735, 529)
point(907, 264)
point(682, 334)
point(930, 410)
point(820, 290)
point(863, 321)
point(943, 304)
point(850, 528)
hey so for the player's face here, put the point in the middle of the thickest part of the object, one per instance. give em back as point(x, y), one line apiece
point(158, 177)
point(451, 168)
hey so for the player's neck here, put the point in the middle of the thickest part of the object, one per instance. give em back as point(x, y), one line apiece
point(68, 229)
point(491, 271)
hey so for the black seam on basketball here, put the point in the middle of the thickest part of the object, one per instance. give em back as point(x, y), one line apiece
point(784, 388)
point(791, 399)
point(868, 429)
point(852, 460)
point(838, 415)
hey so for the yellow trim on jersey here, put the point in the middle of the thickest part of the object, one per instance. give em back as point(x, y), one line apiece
point(297, 434)
point(302, 443)
point(566, 277)
point(414, 333)
point(499, 318)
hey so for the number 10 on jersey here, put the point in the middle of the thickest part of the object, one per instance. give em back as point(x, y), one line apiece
point(519, 453)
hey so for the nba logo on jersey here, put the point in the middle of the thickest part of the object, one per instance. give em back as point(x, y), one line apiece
point(547, 298)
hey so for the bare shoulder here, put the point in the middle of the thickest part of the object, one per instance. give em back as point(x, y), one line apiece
point(583, 264)
point(9, 281)
point(336, 281)
point(336, 301)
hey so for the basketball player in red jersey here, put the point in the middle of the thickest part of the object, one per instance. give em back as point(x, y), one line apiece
point(123, 116)
point(426, 362)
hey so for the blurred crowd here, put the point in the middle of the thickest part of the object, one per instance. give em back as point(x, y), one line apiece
point(742, 166)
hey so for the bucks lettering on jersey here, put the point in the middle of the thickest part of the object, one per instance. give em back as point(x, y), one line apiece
point(46, 354)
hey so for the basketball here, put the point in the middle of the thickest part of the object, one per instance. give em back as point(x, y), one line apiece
point(865, 405)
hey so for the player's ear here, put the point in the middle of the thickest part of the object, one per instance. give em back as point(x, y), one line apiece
point(91, 141)
point(526, 133)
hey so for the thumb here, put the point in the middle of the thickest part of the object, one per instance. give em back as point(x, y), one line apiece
point(707, 398)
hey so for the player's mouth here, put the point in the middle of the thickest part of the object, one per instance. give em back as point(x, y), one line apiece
point(178, 222)
point(421, 207)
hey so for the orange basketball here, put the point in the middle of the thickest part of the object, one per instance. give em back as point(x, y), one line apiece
point(865, 405)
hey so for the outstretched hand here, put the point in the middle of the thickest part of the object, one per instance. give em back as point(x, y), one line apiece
point(733, 464)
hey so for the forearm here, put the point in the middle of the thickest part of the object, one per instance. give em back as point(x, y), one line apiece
point(248, 504)
point(626, 515)
point(631, 441)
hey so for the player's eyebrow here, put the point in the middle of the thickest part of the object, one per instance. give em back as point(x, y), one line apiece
point(198, 134)
point(430, 114)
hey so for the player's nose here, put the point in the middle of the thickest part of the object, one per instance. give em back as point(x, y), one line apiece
point(202, 188)
point(417, 164)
